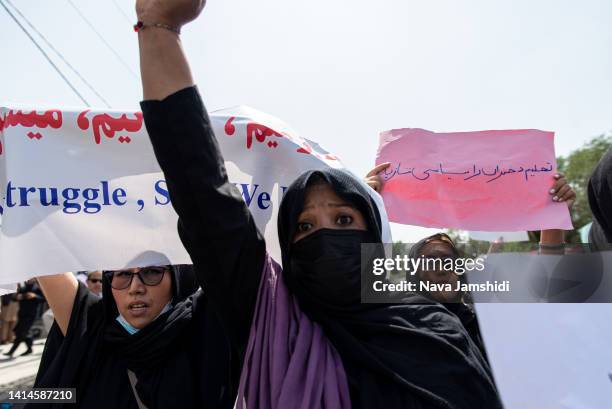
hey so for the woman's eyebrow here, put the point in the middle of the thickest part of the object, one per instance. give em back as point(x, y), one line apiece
point(343, 204)
point(330, 204)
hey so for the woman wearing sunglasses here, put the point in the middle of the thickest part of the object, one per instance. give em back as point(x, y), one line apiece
point(150, 342)
point(94, 282)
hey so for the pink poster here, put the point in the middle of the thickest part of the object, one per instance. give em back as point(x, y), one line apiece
point(486, 180)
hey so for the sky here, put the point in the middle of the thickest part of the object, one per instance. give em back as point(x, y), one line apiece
point(340, 72)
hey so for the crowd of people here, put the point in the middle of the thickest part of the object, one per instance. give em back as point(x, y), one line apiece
point(19, 312)
point(235, 329)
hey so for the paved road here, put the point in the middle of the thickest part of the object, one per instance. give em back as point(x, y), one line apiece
point(20, 370)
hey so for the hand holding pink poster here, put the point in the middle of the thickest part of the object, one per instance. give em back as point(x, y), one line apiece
point(486, 180)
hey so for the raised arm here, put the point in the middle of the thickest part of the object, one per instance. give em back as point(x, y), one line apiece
point(60, 291)
point(215, 224)
point(552, 241)
point(163, 65)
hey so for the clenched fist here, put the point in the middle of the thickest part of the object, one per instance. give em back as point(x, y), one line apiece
point(174, 13)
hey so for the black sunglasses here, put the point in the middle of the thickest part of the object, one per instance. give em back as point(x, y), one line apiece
point(94, 280)
point(150, 276)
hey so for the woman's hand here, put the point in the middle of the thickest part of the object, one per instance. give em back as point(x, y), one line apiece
point(561, 191)
point(164, 69)
point(372, 178)
point(174, 13)
point(30, 296)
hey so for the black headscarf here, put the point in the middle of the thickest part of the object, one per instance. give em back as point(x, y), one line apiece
point(463, 309)
point(147, 346)
point(81, 358)
point(597, 238)
point(413, 355)
point(416, 250)
point(308, 289)
point(600, 195)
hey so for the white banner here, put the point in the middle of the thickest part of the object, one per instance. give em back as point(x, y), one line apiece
point(548, 339)
point(82, 190)
point(550, 356)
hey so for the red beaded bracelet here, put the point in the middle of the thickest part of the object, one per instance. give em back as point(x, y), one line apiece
point(140, 25)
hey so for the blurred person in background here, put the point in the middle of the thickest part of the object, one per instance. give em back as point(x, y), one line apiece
point(94, 282)
point(8, 318)
point(30, 298)
point(441, 246)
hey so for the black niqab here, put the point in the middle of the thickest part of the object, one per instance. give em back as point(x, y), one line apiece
point(413, 355)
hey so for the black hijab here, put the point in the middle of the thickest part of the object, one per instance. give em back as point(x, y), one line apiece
point(147, 346)
point(600, 197)
point(193, 344)
point(414, 355)
point(463, 309)
point(597, 238)
point(417, 250)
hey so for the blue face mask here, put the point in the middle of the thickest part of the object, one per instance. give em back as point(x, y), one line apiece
point(132, 330)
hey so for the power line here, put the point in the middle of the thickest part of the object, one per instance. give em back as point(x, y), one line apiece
point(58, 53)
point(122, 12)
point(44, 54)
point(102, 38)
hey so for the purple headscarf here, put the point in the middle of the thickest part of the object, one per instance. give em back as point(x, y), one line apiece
point(289, 362)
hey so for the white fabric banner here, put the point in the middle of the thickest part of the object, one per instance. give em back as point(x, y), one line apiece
point(82, 190)
point(550, 356)
point(544, 353)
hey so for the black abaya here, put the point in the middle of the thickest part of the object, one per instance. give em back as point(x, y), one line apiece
point(181, 359)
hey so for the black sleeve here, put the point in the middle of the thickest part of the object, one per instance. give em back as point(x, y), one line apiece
point(62, 355)
point(214, 224)
point(40, 295)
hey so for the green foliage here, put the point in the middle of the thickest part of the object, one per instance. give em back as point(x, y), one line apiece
point(399, 247)
point(577, 168)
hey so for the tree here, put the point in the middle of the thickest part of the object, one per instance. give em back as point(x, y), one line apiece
point(577, 168)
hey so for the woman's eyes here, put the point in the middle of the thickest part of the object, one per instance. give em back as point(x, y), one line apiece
point(344, 220)
point(302, 227)
point(122, 273)
point(152, 272)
